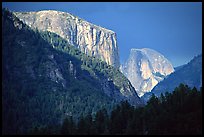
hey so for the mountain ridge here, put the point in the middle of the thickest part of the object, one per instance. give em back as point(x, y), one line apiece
point(45, 79)
point(189, 74)
point(109, 30)
point(91, 39)
point(145, 68)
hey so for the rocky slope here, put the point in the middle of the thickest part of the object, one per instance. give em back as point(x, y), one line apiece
point(89, 38)
point(46, 79)
point(145, 68)
point(189, 74)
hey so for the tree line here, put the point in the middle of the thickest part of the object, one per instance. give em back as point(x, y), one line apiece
point(179, 112)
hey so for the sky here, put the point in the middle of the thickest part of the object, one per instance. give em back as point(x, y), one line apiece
point(174, 29)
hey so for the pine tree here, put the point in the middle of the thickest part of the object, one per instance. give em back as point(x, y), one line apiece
point(65, 127)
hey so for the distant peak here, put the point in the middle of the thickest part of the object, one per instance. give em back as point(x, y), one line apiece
point(135, 49)
point(148, 49)
point(142, 50)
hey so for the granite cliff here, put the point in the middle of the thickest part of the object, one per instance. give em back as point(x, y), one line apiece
point(189, 74)
point(145, 68)
point(89, 38)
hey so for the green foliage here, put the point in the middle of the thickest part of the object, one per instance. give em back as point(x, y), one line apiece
point(159, 117)
point(33, 95)
point(179, 112)
point(96, 67)
point(68, 127)
point(101, 121)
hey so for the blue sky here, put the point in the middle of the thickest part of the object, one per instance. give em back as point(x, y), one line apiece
point(172, 28)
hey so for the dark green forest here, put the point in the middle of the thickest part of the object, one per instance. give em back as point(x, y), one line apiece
point(29, 96)
point(177, 113)
point(43, 81)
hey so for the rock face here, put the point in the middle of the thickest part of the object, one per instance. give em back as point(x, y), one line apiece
point(110, 80)
point(189, 74)
point(89, 38)
point(43, 85)
point(145, 68)
point(120, 90)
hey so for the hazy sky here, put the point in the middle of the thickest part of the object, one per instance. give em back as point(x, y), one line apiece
point(172, 28)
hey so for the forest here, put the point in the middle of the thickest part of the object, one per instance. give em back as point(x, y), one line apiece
point(176, 113)
point(44, 79)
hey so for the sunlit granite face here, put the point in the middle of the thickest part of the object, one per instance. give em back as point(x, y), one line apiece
point(145, 68)
point(89, 38)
